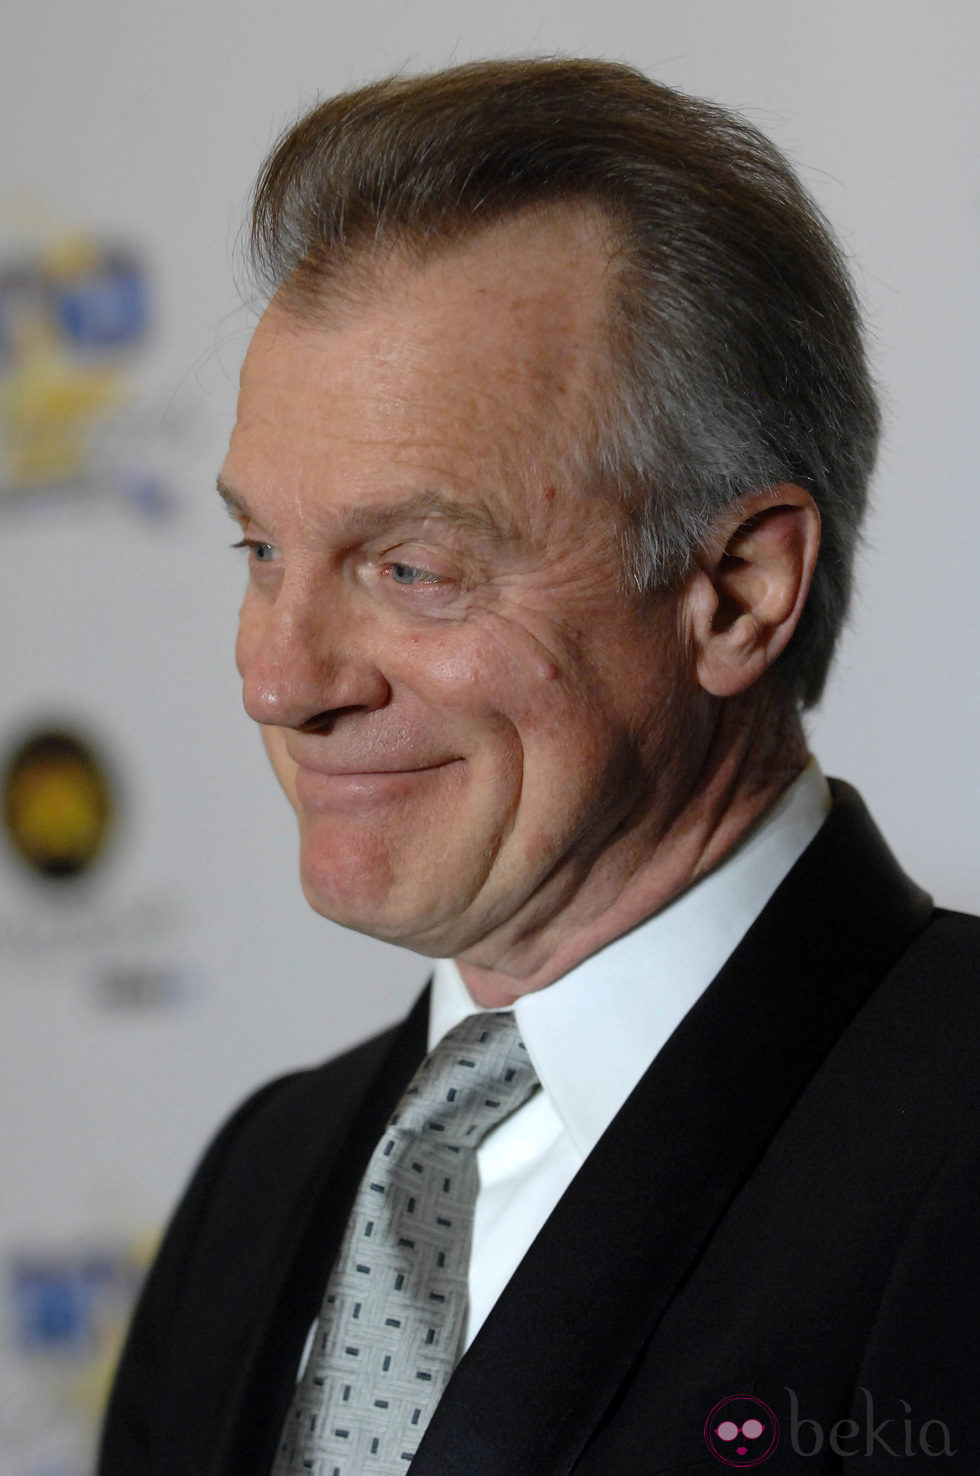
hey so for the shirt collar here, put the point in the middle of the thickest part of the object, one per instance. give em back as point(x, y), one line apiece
point(592, 1033)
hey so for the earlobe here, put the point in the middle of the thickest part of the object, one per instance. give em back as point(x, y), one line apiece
point(746, 597)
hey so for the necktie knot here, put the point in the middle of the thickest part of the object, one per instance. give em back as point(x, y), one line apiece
point(477, 1075)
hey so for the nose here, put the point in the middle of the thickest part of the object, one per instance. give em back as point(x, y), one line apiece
point(302, 664)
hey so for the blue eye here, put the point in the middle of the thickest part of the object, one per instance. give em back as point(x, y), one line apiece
point(262, 553)
point(409, 574)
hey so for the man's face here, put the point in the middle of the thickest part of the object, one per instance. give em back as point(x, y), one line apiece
point(475, 726)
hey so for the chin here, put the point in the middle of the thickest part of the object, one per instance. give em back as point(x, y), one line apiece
point(351, 881)
point(348, 878)
point(344, 869)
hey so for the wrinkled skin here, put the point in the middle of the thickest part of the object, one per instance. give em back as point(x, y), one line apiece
point(492, 750)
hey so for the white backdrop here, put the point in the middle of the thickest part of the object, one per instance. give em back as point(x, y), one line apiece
point(146, 124)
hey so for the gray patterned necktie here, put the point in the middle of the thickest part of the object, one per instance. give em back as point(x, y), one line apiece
point(394, 1314)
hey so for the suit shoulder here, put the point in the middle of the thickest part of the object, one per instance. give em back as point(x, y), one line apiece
point(918, 1036)
point(252, 1170)
point(944, 961)
point(266, 1150)
point(953, 936)
point(223, 1249)
point(277, 1115)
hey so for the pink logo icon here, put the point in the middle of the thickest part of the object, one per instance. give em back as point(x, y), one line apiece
point(741, 1431)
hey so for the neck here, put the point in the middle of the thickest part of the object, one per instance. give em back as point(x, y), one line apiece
point(756, 750)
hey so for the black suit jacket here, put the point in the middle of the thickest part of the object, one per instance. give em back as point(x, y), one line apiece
point(787, 1206)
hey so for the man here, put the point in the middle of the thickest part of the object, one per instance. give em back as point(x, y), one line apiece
point(552, 449)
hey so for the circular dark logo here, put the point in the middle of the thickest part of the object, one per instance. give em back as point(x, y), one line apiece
point(741, 1431)
point(57, 804)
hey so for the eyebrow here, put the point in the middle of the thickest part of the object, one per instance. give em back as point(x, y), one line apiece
point(235, 506)
point(429, 506)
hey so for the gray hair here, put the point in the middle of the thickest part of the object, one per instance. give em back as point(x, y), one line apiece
point(734, 334)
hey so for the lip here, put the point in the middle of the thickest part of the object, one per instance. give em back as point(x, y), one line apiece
point(333, 788)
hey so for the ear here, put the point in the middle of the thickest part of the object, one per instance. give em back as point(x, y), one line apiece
point(745, 598)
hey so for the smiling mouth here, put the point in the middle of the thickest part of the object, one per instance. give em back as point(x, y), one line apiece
point(343, 788)
point(355, 771)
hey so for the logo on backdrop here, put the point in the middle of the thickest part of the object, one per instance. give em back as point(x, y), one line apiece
point(75, 315)
point(63, 1316)
point(58, 804)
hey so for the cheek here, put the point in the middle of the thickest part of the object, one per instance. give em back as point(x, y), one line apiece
point(496, 673)
point(543, 721)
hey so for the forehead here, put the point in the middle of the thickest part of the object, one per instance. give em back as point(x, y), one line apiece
point(472, 366)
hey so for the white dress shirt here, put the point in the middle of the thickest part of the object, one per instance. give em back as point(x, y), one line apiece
point(592, 1033)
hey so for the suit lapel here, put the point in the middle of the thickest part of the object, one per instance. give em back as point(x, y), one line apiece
point(545, 1366)
point(281, 1313)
